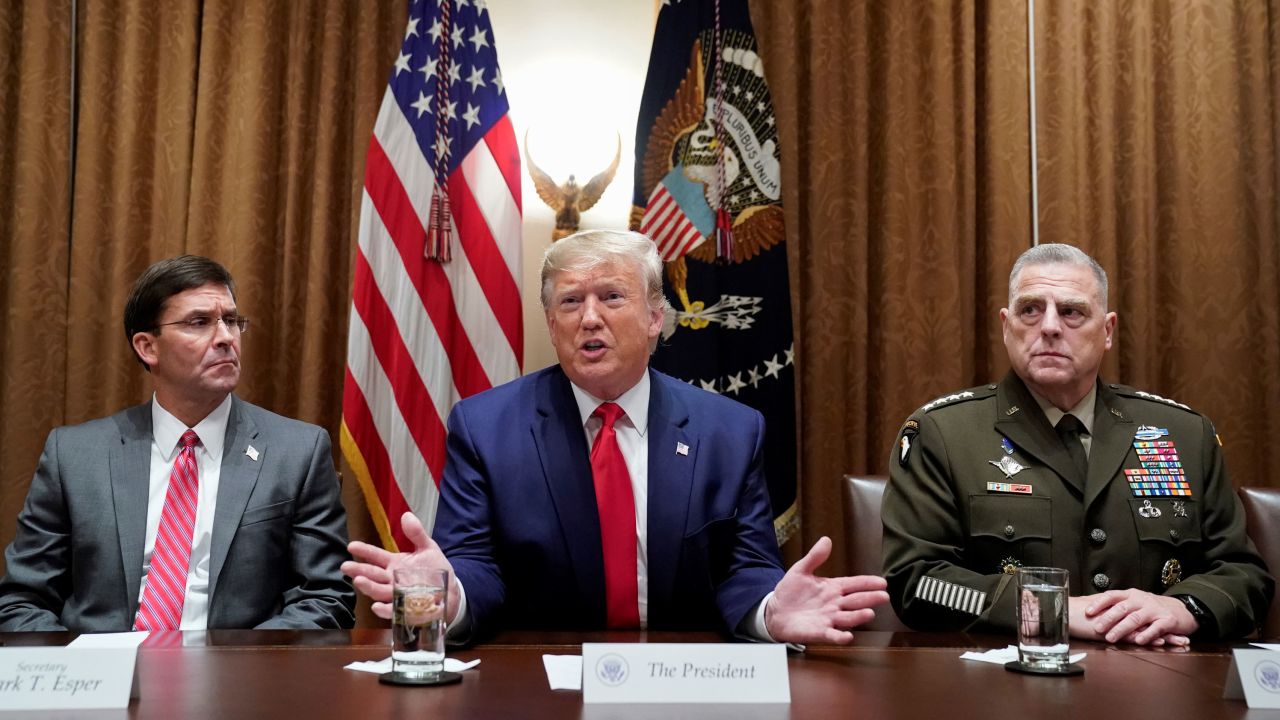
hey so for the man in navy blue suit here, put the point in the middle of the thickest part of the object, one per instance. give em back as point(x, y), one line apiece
point(538, 534)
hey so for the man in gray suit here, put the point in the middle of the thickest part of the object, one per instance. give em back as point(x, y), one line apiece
point(195, 510)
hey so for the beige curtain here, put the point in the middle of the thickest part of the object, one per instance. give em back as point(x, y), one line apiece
point(906, 175)
point(35, 117)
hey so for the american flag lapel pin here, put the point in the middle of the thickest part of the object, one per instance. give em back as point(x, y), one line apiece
point(682, 449)
point(252, 452)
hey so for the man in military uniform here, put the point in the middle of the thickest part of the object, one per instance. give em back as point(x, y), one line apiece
point(1052, 467)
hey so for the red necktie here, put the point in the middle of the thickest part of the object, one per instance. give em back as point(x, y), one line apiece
point(161, 605)
point(617, 506)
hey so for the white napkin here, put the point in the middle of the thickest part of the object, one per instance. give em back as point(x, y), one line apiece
point(384, 665)
point(1004, 655)
point(564, 672)
point(109, 640)
point(1266, 646)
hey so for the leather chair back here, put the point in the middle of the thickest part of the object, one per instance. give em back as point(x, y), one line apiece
point(1262, 518)
point(863, 532)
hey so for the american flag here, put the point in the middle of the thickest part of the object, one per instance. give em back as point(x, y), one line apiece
point(677, 219)
point(428, 331)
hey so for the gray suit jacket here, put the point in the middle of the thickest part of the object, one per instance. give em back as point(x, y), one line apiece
point(279, 529)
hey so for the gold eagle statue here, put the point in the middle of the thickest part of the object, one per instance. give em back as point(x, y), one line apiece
point(570, 200)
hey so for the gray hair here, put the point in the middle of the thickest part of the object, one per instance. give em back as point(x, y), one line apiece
point(1059, 254)
point(590, 249)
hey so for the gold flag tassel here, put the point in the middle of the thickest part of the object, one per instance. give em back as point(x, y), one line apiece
point(439, 221)
point(439, 227)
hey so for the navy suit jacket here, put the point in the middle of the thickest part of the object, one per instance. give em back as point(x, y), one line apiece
point(518, 520)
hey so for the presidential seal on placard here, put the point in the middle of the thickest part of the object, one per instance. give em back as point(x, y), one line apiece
point(1267, 674)
point(612, 670)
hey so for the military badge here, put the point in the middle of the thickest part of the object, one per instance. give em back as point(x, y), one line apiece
point(1148, 510)
point(1146, 432)
point(1010, 565)
point(1179, 508)
point(1008, 466)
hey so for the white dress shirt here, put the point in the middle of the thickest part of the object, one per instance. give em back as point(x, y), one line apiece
point(166, 431)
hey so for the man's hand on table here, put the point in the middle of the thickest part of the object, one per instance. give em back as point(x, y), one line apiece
point(1131, 616)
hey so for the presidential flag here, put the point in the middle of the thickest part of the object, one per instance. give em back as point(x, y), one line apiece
point(708, 192)
point(435, 307)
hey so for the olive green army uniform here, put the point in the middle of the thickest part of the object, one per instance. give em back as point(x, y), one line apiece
point(981, 483)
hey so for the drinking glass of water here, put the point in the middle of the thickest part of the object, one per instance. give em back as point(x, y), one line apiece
point(419, 599)
point(1042, 618)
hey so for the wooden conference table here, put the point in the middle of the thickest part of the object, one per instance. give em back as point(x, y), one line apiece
point(280, 674)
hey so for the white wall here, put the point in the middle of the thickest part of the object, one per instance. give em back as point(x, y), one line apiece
point(574, 71)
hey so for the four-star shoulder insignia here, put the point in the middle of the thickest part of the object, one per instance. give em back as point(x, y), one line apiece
point(946, 399)
point(970, 394)
point(1130, 392)
point(1157, 398)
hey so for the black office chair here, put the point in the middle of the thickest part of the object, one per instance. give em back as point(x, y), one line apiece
point(1262, 521)
point(862, 533)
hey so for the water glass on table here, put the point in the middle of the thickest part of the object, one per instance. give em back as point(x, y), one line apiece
point(419, 605)
point(1043, 632)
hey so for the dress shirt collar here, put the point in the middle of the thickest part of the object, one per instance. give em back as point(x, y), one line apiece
point(167, 429)
point(1083, 409)
point(634, 402)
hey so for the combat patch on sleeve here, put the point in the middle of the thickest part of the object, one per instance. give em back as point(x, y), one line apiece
point(905, 439)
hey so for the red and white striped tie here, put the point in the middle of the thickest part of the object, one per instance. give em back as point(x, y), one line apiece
point(161, 605)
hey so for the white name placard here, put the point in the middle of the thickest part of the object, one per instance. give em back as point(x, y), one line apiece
point(55, 678)
point(684, 673)
point(1254, 675)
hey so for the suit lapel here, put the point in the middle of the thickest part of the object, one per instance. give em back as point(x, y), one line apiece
point(1019, 418)
point(670, 483)
point(1112, 434)
point(566, 468)
point(130, 463)
point(236, 480)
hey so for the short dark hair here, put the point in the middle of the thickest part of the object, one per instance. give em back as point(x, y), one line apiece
point(162, 281)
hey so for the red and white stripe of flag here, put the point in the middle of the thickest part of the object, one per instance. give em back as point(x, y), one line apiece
point(667, 225)
point(424, 334)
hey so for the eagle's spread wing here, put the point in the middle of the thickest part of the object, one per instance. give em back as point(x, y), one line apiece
point(594, 188)
point(542, 182)
point(681, 114)
point(757, 229)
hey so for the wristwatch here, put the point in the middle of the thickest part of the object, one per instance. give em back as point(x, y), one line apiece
point(1201, 616)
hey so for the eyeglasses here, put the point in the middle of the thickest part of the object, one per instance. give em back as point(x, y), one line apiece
point(204, 324)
